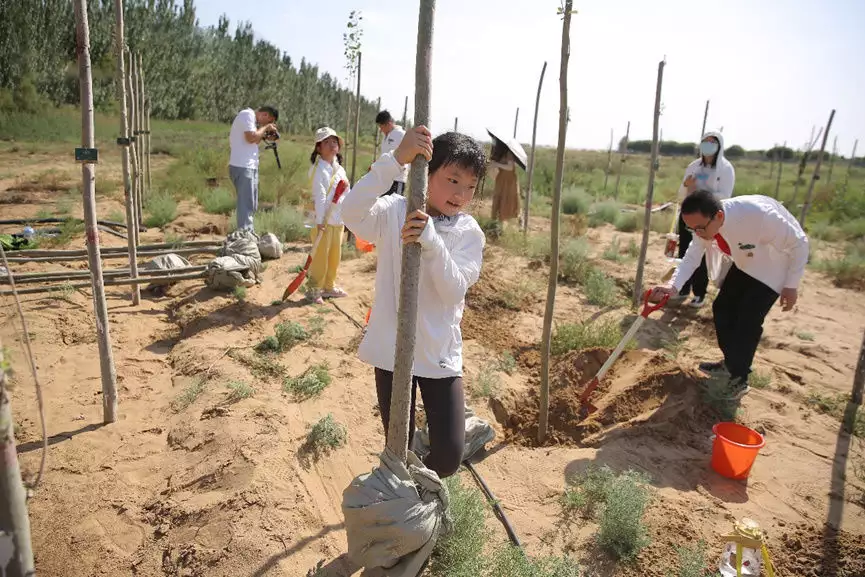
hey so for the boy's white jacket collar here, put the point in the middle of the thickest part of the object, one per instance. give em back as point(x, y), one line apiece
point(451, 257)
point(766, 242)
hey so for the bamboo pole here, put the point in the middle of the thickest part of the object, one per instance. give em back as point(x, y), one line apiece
point(133, 148)
point(119, 249)
point(110, 282)
point(850, 164)
point(16, 550)
point(609, 160)
point(532, 158)
point(703, 129)
point(356, 122)
point(780, 169)
point(400, 402)
point(647, 217)
point(622, 160)
point(375, 134)
point(32, 221)
point(832, 159)
point(148, 180)
point(456, 123)
point(88, 178)
point(31, 278)
point(139, 107)
point(131, 217)
point(405, 113)
point(348, 110)
point(803, 163)
point(816, 175)
point(554, 225)
point(516, 121)
point(110, 255)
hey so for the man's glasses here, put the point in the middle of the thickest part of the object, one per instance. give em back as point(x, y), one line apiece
point(702, 227)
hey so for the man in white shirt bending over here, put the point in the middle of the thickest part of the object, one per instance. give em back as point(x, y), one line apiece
point(768, 249)
point(393, 134)
point(243, 163)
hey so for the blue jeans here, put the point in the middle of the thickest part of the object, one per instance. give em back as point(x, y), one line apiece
point(245, 182)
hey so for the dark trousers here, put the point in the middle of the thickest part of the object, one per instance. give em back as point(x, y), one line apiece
point(444, 403)
point(395, 188)
point(699, 281)
point(742, 304)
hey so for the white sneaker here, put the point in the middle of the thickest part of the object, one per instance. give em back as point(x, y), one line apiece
point(677, 299)
point(697, 302)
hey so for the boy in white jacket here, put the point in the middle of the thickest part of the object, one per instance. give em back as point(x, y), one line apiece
point(712, 172)
point(452, 251)
point(769, 251)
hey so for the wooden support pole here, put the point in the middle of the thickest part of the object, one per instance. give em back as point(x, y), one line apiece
point(16, 550)
point(850, 164)
point(139, 108)
point(532, 158)
point(405, 113)
point(109, 255)
point(375, 135)
point(780, 169)
point(609, 160)
point(773, 160)
point(832, 159)
point(803, 164)
point(131, 216)
point(400, 402)
point(647, 217)
point(516, 121)
point(133, 148)
point(624, 153)
point(356, 121)
point(88, 191)
point(110, 282)
point(31, 278)
point(816, 176)
point(456, 123)
point(859, 376)
point(546, 338)
point(703, 129)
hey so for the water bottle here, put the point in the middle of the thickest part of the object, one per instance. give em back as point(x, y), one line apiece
point(29, 233)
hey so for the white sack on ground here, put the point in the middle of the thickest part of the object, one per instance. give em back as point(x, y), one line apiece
point(164, 262)
point(228, 272)
point(269, 246)
point(241, 242)
point(478, 433)
point(394, 515)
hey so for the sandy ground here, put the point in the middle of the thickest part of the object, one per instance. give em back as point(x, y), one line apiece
point(223, 487)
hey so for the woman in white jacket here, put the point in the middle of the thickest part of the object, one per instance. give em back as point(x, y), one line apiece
point(452, 246)
point(714, 173)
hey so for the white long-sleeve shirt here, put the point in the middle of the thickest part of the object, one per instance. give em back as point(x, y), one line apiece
point(765, 240)
point(325, 178)
point(451, 257)
point(389, 143)
point(719, 180)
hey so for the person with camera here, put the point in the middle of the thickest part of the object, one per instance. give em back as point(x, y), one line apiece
point(248, 129)
point(393, 135)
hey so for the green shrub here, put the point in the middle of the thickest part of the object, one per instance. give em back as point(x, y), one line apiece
point(217, 200)
point(161, 209)
point(581, 336)
point(290, 333)
point(604, 212)
point(849, 270)
point(574, 259)
point(627, 222)
point(309, 384)
point(238, 390)
point(510, 561)
point(600, 289)
point(239, 293)
point(613, 252)
point(692, 562)
point(621, 530)
point(587, 492)
point(460, 552)
point(286, 222)
point(325, 436)
point(575, 201)
point(188, 396)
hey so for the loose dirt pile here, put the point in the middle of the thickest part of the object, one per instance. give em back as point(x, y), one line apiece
point(642, 387)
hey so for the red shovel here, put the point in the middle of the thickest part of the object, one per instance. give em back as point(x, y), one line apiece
point(295, 284)
point(587, 408)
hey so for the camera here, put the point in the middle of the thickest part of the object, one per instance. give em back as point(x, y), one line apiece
point(271, 135)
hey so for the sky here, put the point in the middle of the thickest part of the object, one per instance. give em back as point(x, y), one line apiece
point(771, 69)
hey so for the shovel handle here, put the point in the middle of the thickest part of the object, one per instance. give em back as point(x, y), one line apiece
point(648, 307)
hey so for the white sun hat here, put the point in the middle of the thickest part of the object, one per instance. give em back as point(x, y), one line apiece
point(326, 132)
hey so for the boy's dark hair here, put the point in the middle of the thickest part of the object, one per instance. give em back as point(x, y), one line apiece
point(453, 148)
point(383, 117)
point(703, 202)
point(270, 110)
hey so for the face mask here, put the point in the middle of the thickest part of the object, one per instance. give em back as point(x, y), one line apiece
point(708, 148)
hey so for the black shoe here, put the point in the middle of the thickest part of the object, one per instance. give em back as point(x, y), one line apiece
point(713, 369)
point(736, 388)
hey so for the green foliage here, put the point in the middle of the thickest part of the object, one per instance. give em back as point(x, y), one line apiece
point(161, 208)
point(760, 380)
point(627, 222)
point(513, 562)
point(581, 336)
point(621, 531)
point(575, 201)
point(325, 436)
point(308, 384)
point(286, 222)
point(460, 553)
point(507, 363)
point(290, 333)
point(239, 293)
point(574, 259)
point(217, 200)
point(693, 561)
point(68, 230)
point(238, 390)
point(117, 216)
point(734, 151)
point(604, 212)
point(600, 289)
point(487, 382)
point(587, 492)
point(613, 252)
point(188, 395)
point(848, 270)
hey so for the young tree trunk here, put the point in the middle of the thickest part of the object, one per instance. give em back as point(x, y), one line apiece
point(850, 164)
point(139, 108)
point(816, 176)
point(647, 217)
point(456, 123)
point(554, 225)
point(400, 402)
point(516, 121)
point(356, 122)
point(347, 116)
point(131, 216)
point(609, 160)
point(622, 161)
point(803, 164)
point(146, 127)
point(14, 522)
point(375, 135)
point(532, 158)
point(88, 190)
point(773, 160)
point(832, 159)
point(703, 129)
point(780, 169)
point(405, 113)
point(133, 148)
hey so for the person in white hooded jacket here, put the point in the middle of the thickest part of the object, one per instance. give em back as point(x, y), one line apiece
point(714, 173)
point(452, 245)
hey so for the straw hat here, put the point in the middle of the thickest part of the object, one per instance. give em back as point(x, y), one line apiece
point(326, 132)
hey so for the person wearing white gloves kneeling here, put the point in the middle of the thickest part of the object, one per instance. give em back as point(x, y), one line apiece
point(768, 249)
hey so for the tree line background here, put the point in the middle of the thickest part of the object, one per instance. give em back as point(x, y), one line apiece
point(191, 72)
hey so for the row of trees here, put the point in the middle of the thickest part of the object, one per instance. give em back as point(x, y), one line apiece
point(192, 72)
point(673, 148)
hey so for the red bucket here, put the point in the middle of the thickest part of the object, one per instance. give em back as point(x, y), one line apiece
point(362, 245)
point(735, 449)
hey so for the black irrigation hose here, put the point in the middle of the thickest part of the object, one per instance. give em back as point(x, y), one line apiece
point(494, 503)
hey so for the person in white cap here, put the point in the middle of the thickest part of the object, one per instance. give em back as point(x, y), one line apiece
point(243, 161)
point(393, 135)
point(712, 172)
point(324, 174)
point(768, 249)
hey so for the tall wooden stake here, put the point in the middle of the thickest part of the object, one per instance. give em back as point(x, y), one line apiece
point(347, 115)
point(14, 522)
point(133, 149)
point(647, 217)
point(139, 110)
point(400, 401)
point(516, 121)
point(832, 159)
point(532, 158)
point(405, 113)
point(703, 129)
point(622, 160)
point(148, 178)
point(456, 123)
point(859, 376)
point(803, 164)
point(850, 164)
point(816, 176)
point(375, 135)
point(543, 422)
point(773, 160)
point(88, 190)
point(356, 121)
point(131, 216)
point(780, 169)
point(609, 160)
